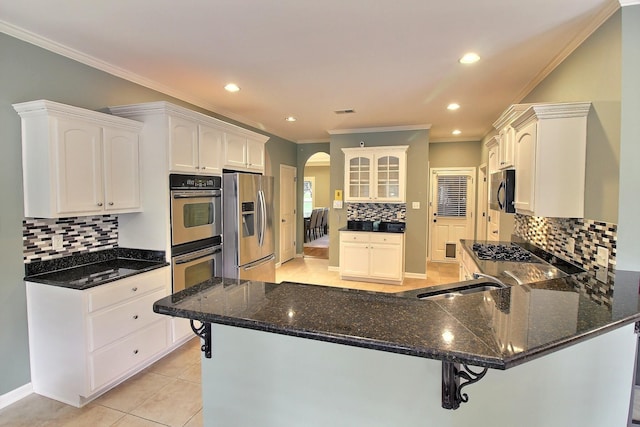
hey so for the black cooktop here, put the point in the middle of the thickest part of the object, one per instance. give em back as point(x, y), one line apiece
point(501, 252)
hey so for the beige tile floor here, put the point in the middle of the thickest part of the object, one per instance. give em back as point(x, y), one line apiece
point(168, 392)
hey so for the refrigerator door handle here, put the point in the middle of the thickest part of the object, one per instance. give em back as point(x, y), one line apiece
point(263, 214)
point(258, 263)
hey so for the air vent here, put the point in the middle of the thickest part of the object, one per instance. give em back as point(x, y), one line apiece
point(345, 111)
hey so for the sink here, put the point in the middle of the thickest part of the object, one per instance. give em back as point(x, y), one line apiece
point(457, 289)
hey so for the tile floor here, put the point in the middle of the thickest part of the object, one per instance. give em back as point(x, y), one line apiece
point(168, 392)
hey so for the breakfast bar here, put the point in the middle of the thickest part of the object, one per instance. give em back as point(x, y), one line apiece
point(551, 353)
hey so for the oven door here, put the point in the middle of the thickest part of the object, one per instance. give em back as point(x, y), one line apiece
point(195, 267)
point(195, 215)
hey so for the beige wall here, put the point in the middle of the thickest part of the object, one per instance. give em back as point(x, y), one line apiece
point(593, 73)
point(321, 175)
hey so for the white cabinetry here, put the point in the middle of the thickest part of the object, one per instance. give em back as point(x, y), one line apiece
point(507, 135)
point(467, 266)
point(244, 153)
point(194, 147)
point(550, 160)
point(78, 162)
point(83, 342)
point(374, 256)
point(375, 174)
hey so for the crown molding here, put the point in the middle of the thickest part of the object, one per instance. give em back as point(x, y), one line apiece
point(76, 55)
point(379, 129)
point(605, 13)
point(624, 3)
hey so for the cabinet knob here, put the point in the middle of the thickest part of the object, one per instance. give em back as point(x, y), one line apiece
point(99, 203)
point(110, 203)
point(135, 351)
point(134, 289)
point(135, 317)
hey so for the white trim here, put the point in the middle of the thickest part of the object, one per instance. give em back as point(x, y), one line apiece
point(414, 275)
point(15, 395)
point(333, 268)
point(624, 3)
point(379, 129)
point(125, 74)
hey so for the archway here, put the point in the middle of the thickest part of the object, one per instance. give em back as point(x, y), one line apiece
point(315, 205)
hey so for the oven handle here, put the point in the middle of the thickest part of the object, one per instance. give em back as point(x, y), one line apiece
point(183, 259)
point(197, 194)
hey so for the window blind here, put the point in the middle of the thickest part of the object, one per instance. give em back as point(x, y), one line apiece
point(452, 195)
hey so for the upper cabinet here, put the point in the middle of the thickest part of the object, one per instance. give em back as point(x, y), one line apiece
point(493, 155)
point(197, 143)
point(550, 160)
point(507, 135)
point(375, 174)
point(78, 162)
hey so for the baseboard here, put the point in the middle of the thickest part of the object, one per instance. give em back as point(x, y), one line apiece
point(14, 395)
point(415, 275)
point(333, 268)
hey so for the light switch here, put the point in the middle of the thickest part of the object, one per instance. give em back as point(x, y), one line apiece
point(602, 256)
point(415, 205)
point(57, 241)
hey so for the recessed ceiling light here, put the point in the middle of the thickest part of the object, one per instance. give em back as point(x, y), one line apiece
point(456, 132)
point(469, 58)
point(232, 87)
point(453, 106)
point(290, 119)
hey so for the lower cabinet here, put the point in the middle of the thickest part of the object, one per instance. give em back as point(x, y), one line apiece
point(374, 256)
point(467, 266)
point(84, 342)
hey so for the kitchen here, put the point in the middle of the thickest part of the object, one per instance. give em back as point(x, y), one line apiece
point(601, 199)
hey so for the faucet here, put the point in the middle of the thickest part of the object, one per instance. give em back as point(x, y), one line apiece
point(478, 275)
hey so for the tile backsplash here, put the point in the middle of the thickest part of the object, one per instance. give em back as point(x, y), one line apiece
point(377, 212)
point(552, 234)
point(80, 234)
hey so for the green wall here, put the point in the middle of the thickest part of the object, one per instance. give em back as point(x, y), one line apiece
point(28, 72)
point(417, 190)
point(455, 154)
point(592, 73)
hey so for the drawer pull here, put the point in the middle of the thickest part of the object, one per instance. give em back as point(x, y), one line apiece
point(135, 351)
point(134, 289)
point(135, 317)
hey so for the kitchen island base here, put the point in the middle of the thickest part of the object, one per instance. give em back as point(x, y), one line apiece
point(264, 379)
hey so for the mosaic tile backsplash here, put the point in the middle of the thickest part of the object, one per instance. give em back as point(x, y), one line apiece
point(551, 234)
point(377, 212)
point(80, 234)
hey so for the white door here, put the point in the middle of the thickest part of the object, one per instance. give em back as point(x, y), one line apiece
point(451, 211)
point(287, 213)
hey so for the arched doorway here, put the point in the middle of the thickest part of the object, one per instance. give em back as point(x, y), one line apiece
point(315, 205)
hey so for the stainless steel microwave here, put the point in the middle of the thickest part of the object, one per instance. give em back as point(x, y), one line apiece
point(502, 191)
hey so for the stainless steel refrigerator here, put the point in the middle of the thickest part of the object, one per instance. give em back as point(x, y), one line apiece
point(247, 235)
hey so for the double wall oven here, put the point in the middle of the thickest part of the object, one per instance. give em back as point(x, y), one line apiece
point(196, 229)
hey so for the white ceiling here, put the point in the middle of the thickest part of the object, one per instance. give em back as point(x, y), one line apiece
point(394, 62)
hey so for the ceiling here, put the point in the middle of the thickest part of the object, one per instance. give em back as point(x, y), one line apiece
point(394, 62)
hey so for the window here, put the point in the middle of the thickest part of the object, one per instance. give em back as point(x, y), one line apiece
point(307, 195)
point(452, 195)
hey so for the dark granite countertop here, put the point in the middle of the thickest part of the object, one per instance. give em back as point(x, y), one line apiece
point(83, 271)
point(496, 329)
point(373, 231)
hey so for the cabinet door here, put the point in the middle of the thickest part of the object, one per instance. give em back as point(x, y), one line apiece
point(493, 159)
point(525, 163)
point(235, 151)
point(385, 261)
point(354, 259)
point(389, 180)
point(358, 176)
point(183, 145)
point(507, 141)
point(121, 170)
point(255, 155)
point(79, 167)
point(210, 149)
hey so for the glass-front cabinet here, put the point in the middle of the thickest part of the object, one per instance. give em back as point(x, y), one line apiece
point(375, 174)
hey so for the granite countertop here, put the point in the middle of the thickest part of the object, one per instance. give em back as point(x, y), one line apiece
point(83, 271)
point(495, 329)
point(373, 231)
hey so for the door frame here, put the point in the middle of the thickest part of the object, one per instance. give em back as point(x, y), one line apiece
point(281, 210)
point(472, 172)
point(482, 212)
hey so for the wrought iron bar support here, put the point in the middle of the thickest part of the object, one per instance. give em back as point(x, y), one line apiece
point(204, 332)
point(452, 374)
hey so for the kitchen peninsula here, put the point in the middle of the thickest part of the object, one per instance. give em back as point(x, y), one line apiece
point(294, 354)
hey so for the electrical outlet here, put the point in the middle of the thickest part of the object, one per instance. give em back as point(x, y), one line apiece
point(57, 241)
point(415, 205)
point(570, 247)
point(398, 215)
point(602, 256)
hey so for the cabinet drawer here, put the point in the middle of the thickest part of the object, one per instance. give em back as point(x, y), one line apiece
point(130, 287)
point(110, 325)
point(386, 238)
point(111, 362)
point(354, 237)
